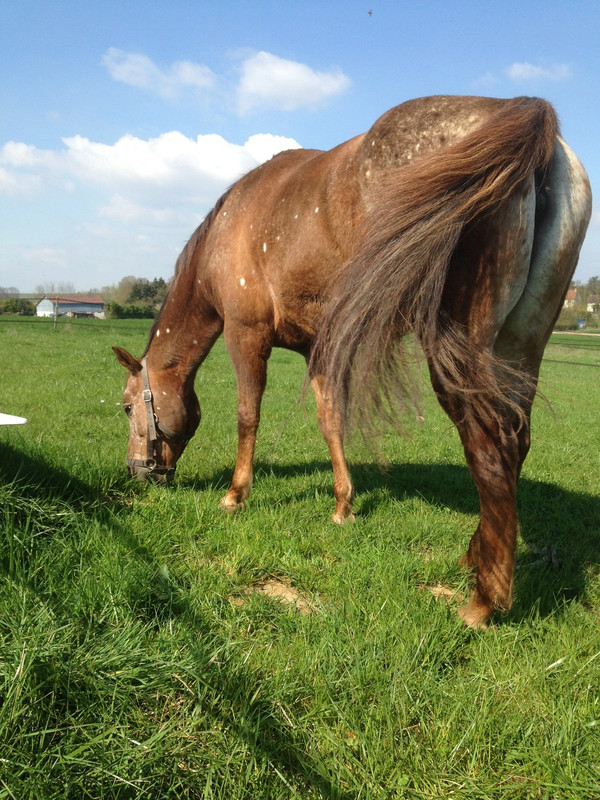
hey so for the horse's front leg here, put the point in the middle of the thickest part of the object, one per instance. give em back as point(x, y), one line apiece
point(330, 426)
point(249, 350)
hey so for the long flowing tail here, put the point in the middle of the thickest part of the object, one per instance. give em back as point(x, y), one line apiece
point(395, 282)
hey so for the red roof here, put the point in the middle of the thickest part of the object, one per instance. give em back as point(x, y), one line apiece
point(76, 298)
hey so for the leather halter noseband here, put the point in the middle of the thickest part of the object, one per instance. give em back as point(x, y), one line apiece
point(153, 424)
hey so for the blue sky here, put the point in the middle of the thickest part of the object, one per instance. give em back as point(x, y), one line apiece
point(121, 122)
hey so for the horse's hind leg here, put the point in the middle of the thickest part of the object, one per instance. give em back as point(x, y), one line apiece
point(331, 429)
point(249, 349)
point(494, 451)
point(490, 403)
point(517, 445)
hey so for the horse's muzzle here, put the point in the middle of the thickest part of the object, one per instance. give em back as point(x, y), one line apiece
point(143, 469)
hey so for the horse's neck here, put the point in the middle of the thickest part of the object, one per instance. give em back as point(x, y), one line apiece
point(173, 341)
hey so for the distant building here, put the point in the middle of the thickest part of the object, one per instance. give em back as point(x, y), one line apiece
point(571, 299)
point(70, 305)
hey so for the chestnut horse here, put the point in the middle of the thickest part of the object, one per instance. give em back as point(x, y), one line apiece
point(458, 219)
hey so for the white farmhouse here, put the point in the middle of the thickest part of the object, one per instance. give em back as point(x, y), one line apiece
point(70, 305)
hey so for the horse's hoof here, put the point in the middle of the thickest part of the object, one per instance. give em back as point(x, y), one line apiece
point(231, 506)
point(475, 615)
point(342, 519)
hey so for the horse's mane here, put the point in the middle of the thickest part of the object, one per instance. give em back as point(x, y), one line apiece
point(185, 257)
point(186, 254)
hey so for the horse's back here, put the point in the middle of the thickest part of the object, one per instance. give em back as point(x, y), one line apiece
point(280, 236)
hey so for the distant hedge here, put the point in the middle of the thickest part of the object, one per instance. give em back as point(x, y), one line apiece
point(16, 305)
point(117, 311)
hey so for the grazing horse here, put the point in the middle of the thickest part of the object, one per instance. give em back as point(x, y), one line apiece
point(458, 219)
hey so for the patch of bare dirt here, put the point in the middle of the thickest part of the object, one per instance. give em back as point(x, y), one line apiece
point(441, 592)
point(281, 592)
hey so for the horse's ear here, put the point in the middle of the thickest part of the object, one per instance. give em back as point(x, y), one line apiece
point(127, 360)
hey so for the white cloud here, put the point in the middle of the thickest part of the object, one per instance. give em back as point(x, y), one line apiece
point(267, 81)
point(271, 82)
point(523, 72)
point(170, 168)
point(136, 69)
point(263, 146)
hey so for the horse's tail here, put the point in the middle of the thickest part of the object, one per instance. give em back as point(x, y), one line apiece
point(395, 282)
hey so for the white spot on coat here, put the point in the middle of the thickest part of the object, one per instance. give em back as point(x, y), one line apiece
point(168, 330)
point(242, 281)
point(317, 210)
point(264, 247)
point(157, 333)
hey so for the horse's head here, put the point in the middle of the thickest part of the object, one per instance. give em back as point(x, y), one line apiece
point(163, 415)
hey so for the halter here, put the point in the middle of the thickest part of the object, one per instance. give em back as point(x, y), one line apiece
point(150, 464)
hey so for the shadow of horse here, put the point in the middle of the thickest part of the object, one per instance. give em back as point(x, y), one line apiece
point(559, 528)
point(31, 482)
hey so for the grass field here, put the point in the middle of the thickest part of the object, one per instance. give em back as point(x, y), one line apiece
point(153, 647)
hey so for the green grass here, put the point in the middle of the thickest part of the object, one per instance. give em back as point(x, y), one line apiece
point(136, 662)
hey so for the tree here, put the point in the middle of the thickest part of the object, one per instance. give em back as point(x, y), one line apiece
point(135, 297)
point(593, 285)
point(148, 295)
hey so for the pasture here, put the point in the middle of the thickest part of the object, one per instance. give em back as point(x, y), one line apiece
point(152, 646)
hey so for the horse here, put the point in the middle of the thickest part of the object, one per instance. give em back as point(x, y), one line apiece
point(458, 220)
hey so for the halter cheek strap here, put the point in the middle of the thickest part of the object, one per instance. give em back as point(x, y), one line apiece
point(150, 421)
point(150, 464)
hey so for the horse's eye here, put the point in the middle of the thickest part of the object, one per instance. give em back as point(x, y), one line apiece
point(127, 409)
